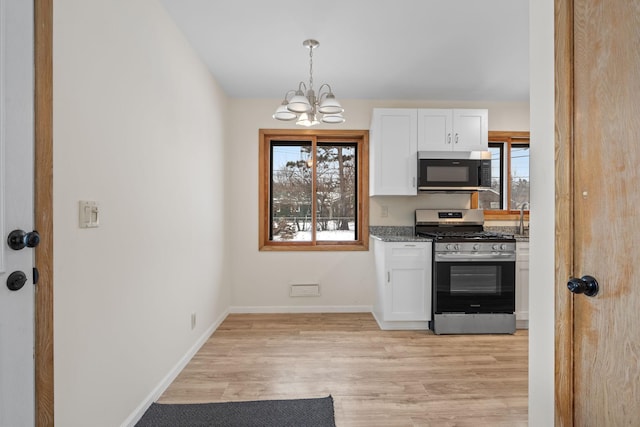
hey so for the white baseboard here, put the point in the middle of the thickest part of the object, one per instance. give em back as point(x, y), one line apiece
point(301, 309)
point(173, 373)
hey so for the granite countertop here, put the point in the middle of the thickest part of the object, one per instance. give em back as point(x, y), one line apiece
point(510, 230)
point(395, 234)
point(407, 234)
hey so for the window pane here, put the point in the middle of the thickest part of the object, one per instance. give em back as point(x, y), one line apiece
point(336, 192)
point(519, 176)
point(291, 191)
point(492, 198)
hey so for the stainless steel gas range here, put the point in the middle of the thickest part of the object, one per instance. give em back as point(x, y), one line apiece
point(473, 273)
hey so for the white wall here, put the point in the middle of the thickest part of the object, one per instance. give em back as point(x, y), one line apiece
point(261, 279)
point(138, 127)
point(541, 264)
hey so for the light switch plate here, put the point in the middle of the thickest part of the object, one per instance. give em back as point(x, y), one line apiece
point(89, 214)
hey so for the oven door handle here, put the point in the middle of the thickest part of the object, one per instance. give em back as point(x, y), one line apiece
point(475, 257)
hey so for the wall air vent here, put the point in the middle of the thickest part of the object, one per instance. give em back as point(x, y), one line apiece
point(304, 290)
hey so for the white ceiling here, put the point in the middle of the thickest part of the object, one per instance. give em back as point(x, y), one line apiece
point(375, 49)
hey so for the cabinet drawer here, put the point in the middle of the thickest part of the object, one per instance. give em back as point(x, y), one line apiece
point(408, 255)
point(522, 251)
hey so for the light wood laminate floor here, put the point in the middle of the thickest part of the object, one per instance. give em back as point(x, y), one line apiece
point(376, 378)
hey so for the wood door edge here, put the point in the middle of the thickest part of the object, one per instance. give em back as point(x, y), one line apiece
point(564, 164)
point(43, 187)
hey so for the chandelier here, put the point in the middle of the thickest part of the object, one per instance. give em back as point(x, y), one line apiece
point(304, 106)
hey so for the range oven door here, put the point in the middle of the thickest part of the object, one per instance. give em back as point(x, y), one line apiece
point(484, 286)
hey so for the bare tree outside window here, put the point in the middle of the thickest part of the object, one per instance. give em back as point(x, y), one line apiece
point(291, 189)
point(292, 183)
point(336, 191)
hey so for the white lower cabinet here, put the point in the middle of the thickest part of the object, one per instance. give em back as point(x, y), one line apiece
point(522, 285)
point(403, 276)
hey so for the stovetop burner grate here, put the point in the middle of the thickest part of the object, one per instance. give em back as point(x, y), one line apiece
point(465, 235)
point(456, 226)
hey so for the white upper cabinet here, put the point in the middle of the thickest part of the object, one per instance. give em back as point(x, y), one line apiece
point(435, 128)
point(393, 152)
point(453, 130)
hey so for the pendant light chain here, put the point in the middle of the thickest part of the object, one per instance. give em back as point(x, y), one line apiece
point(311, 68)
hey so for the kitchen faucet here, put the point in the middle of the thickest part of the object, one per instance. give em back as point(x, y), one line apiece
point(521, 230)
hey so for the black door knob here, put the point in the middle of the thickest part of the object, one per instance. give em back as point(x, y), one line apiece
point(16, 280)
point(587, 285)
point(19, 239)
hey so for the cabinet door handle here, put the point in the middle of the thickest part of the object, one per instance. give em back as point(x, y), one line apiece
point(409, 246)
point(414, 181)
point(456, 138)
point(448, 138)
point(388, 277)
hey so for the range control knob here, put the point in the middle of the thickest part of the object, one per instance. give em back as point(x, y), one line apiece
point(495, 247)
point(476, 247)
point(456, 247)
point(449, 246)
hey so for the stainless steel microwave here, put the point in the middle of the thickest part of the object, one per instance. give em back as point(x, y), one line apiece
point(454, 174)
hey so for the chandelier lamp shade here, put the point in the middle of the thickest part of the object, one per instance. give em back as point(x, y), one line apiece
point(303, 106)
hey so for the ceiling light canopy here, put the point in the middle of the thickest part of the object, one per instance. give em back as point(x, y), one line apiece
point(304, 106)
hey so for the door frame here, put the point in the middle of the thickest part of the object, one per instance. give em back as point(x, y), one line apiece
point(564, 249)
point(44, 338)
point(43, 182)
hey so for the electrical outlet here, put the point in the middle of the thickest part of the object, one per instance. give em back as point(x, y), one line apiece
point(193, 321)
point(384, 211)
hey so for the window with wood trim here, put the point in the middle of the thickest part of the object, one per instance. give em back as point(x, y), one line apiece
point(313, 191)
point(509, 174)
